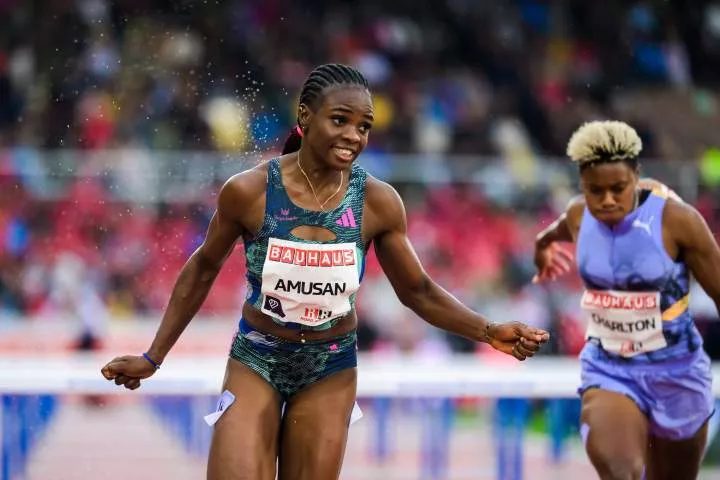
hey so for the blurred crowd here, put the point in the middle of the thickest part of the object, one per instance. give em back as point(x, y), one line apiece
point(454, 83)
point(458, 77)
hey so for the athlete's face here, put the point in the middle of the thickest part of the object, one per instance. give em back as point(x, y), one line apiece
point(338, 128)
point(609, 190)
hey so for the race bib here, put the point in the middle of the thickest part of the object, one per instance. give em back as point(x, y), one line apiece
point(627, 323)
point(309, 283)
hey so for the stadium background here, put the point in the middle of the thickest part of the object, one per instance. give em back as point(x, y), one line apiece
point(119, 120)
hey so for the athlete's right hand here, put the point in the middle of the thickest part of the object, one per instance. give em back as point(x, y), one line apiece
point(551, 262)
point(128, 370)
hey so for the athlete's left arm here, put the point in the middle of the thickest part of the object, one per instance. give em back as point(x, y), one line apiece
point(386, 222)
point(697, 245)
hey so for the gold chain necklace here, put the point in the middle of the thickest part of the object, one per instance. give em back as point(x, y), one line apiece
point(312, 189)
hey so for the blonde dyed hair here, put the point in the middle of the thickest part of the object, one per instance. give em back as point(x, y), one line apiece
point(604, 141)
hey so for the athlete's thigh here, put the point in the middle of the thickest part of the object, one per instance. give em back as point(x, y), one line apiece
point(679, 420)
point(617, 433)
point(676, 459)
point(315, 426)
point(245, 438)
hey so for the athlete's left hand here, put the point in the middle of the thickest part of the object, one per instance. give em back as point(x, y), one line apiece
point(516, 339)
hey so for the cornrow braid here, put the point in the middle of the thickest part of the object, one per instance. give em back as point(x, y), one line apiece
point(319, 79)
point(327, 75)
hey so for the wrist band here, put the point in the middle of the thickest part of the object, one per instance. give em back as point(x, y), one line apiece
point(486, 333)
point(147, 357)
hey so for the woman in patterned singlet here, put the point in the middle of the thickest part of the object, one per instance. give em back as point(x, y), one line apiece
point(307, 219)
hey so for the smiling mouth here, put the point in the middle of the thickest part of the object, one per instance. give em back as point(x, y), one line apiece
point(346, 154)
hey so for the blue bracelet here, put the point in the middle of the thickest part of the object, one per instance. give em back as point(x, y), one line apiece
point(147, 357)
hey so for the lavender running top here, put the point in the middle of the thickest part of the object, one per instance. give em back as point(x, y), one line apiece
point(631, 257)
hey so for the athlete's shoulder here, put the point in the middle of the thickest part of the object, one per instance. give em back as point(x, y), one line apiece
point(574, 212)
point(679, 214)
point(251, 178)
point(243, 188)
point(384, 209)
point(381, 194)
point(684, 222)
point(658, 188)
point(576, 204)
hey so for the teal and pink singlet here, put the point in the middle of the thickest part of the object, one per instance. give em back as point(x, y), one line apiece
point(641, 338)
point(303, 284)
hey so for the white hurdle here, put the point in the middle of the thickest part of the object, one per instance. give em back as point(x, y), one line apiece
point(436, 381)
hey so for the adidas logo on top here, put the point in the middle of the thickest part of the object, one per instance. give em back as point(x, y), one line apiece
point(347, 219)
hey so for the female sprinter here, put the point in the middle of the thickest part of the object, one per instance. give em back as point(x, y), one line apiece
point(646, 386)
point(307, 220)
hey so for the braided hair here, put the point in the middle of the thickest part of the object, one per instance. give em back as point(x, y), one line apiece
point(315, 84)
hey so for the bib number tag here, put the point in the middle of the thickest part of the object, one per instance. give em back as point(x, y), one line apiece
point(626, 323)
point(309, 283)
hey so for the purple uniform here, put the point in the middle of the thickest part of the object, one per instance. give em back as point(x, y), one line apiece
point(641, 340)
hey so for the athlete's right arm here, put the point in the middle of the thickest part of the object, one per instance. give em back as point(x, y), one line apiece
point(565, 227)
point(552, 260)
point(192, 285)
point(199, 272)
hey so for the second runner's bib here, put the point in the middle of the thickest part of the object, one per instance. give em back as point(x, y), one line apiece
point(627, 323)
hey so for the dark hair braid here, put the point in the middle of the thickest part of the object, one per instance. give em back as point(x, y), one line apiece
point(315, 84)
